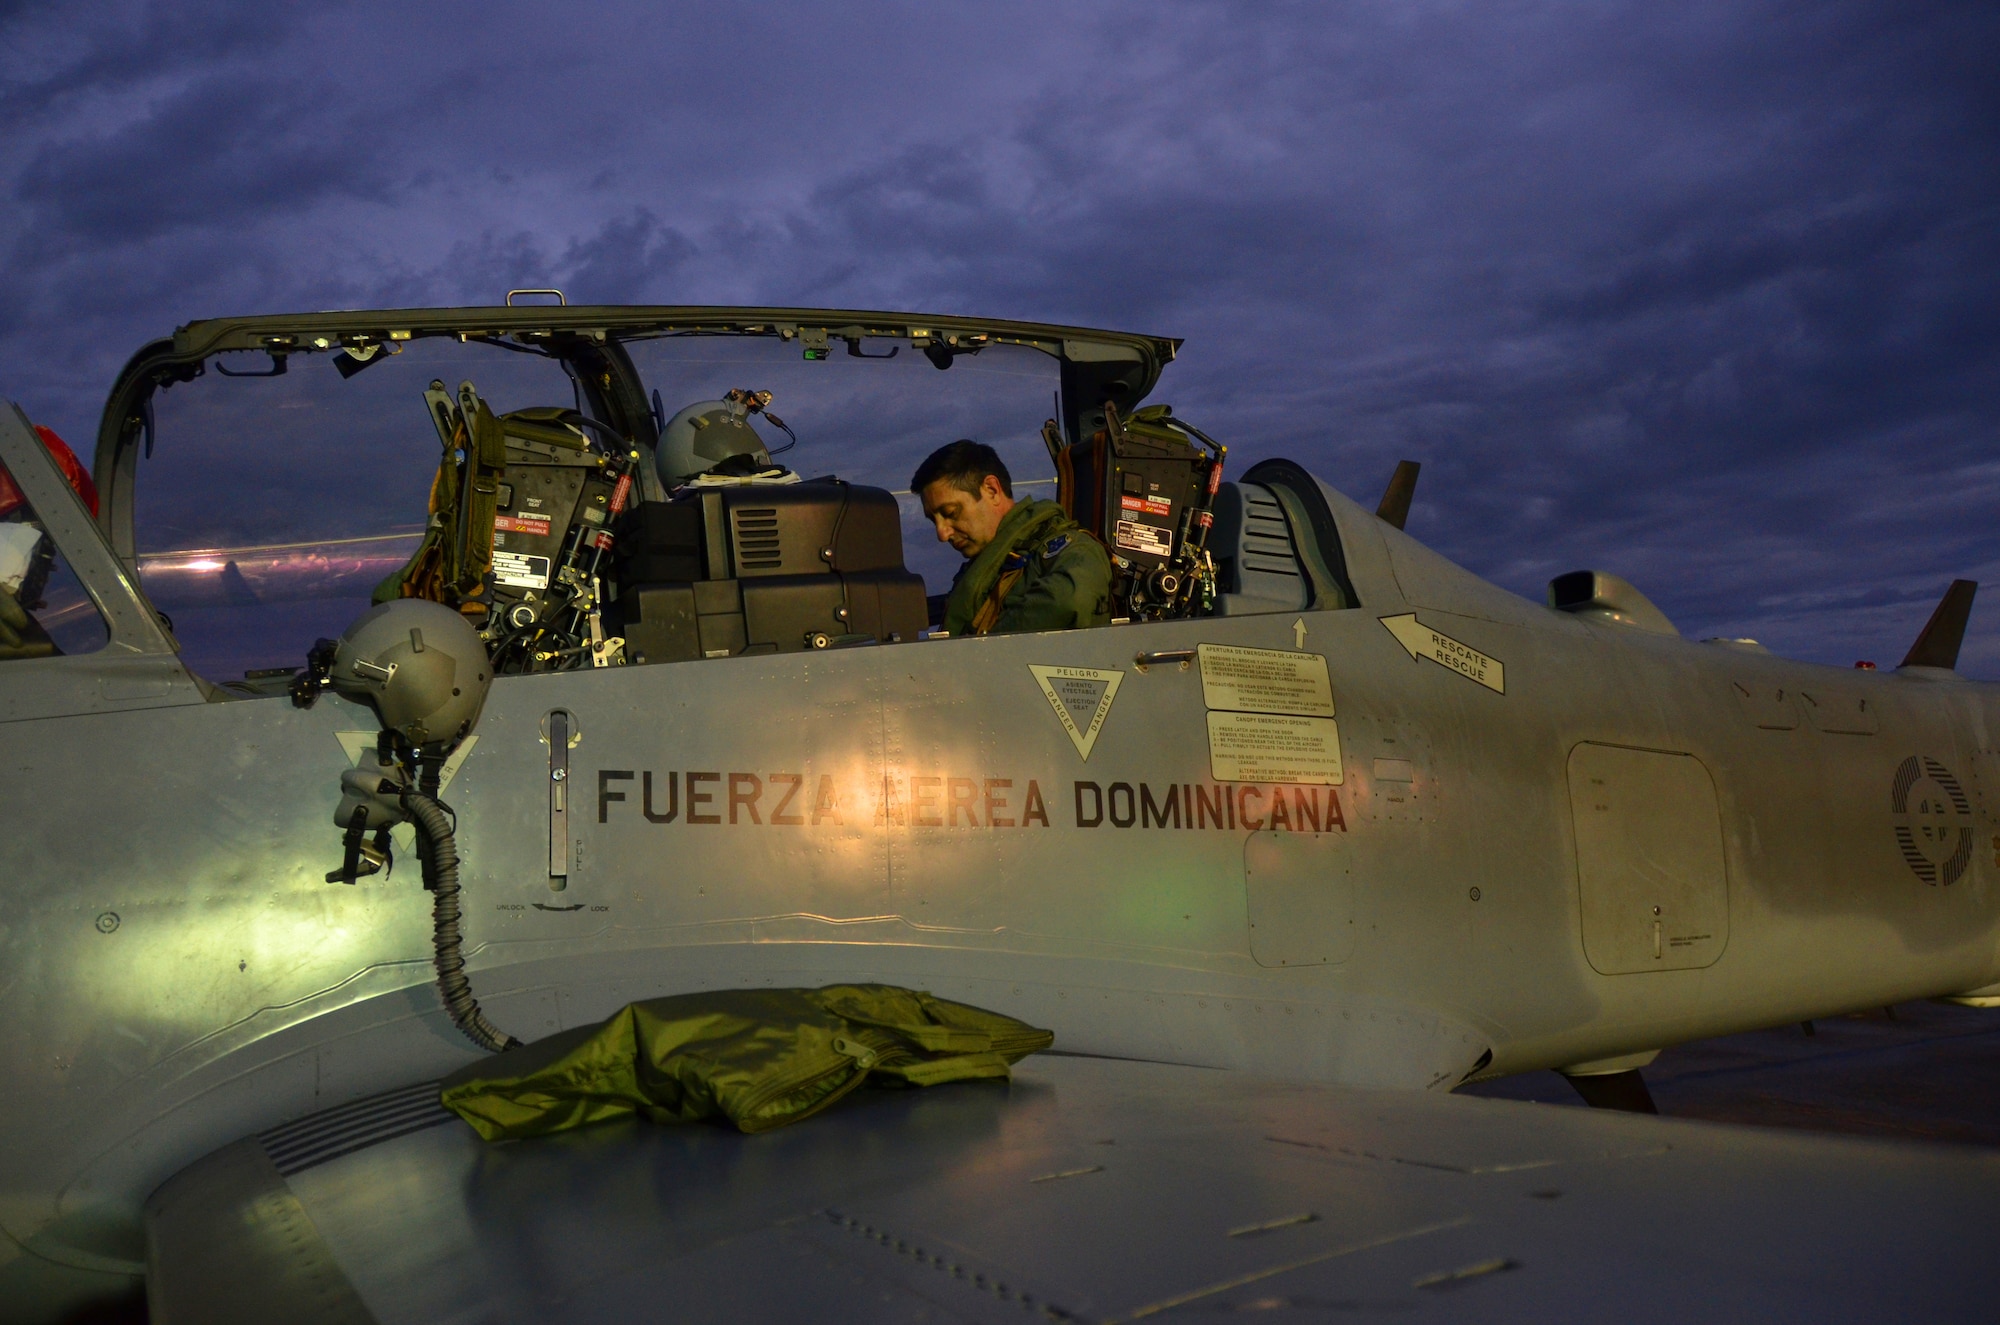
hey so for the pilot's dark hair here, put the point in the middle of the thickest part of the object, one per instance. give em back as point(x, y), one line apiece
point(964, 464)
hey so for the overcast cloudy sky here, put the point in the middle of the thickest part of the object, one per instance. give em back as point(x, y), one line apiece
point(1707, 295)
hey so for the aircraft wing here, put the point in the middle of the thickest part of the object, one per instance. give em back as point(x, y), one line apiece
point(1088, 1189)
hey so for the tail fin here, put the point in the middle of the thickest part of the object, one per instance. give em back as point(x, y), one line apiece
point(1938, 645)
point(1395, 507)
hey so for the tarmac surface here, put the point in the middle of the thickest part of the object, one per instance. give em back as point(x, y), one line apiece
point(1917, 1071)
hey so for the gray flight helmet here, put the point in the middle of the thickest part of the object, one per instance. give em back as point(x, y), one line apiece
point(420, 665)
point(702, 436)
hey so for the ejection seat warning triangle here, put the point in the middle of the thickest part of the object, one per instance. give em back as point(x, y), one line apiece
point(1420, 641)
point(1081, 697)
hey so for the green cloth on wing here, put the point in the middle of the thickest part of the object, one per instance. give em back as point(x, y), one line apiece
point(759, 1058)
point(1063, 582)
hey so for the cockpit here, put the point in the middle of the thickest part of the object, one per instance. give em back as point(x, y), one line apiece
point(740, 555)
point(620, 487)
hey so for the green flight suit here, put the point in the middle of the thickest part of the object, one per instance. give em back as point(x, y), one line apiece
point(1040, 572)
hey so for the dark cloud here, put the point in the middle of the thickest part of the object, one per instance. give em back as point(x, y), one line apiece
point(226, 151)
point(631, 259)
point(1703, 294)
point(93, 48)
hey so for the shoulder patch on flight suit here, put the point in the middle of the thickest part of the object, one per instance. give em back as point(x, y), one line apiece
point(1054, 547)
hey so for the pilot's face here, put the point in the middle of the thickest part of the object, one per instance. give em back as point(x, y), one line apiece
point(966, 520)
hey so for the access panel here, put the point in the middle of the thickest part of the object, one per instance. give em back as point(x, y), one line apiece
point(1651, 882)
point(1301, 898)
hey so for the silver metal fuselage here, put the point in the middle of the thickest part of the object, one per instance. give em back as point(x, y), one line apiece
point(177, 975)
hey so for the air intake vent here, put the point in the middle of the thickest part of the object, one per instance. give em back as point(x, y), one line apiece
point(1602, 597)
point(757, 543)
point(1267, 539)
point(314, 1140)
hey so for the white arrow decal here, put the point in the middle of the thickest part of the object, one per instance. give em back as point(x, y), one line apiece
point(1423, 642)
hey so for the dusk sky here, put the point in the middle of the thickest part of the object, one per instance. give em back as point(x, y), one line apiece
point(1705, 295)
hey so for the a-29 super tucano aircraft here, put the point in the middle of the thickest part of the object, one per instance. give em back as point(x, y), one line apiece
point(1318, 807)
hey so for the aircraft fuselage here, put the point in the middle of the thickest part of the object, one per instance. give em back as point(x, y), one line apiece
point(1796, 841)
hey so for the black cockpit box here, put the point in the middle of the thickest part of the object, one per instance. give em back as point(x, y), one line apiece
point(661, 541)
point(805, 528)
point(764, 568)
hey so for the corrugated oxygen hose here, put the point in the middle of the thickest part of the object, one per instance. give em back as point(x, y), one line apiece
point(438, 850)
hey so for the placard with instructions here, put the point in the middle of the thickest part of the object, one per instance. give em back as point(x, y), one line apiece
point(1145, 538)
point(1270, 716)
point(1265, 680)
point(1273, 747)
point(523, 572)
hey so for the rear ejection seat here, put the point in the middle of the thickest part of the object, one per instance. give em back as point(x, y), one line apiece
point(763, 568)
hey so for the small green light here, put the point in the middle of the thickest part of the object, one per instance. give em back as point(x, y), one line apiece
point(815, 354)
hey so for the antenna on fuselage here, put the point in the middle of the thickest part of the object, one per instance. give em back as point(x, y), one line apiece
point(1937, 645)
point(1395, 507)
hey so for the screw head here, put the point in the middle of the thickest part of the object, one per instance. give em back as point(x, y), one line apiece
point(107, 922)
point(1473, 894)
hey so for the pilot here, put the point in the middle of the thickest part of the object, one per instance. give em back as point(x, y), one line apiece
point(1028, 566)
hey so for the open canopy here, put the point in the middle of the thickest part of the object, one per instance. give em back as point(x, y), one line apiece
point(1096, 366)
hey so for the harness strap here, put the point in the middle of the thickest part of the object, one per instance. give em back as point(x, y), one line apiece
point(988, 615)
